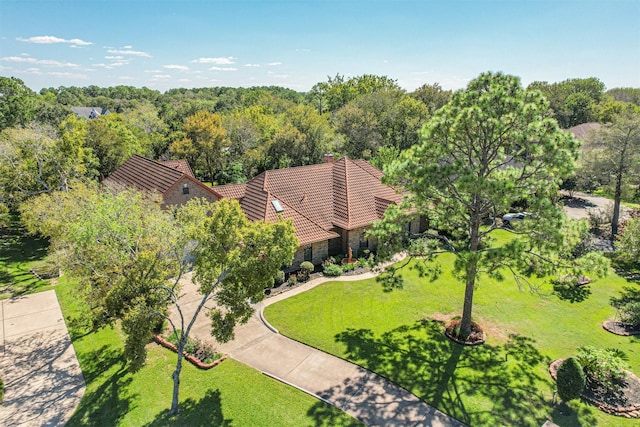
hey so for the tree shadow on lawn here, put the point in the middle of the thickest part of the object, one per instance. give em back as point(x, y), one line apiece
point(16, 250)
point(204, 412)
point(109, 402)
point(480, 385)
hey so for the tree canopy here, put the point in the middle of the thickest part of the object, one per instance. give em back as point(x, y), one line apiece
point(130, 256)
point(492, 148)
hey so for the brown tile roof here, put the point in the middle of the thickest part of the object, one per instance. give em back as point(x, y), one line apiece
point(180, 165)
point(346, 194)
point(149, 175)
point(231, 191)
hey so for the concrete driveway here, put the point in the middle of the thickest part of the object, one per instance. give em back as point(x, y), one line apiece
point(581, 204)
point(42, 376)
point(357, 391)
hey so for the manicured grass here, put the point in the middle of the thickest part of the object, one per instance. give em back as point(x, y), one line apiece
point(230, 394)
point(18, 254)
point(399, 335)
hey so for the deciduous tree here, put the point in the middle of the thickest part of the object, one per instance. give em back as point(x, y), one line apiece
point(130, 257)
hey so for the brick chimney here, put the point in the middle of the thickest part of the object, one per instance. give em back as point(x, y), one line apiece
point(328, 158)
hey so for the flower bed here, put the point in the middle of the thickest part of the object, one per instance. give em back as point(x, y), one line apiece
point(191, 358)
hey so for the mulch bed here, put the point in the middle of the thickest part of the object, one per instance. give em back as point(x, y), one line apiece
point(620, 328)
point(476, 337)
point(624, 402)
point(194, 360)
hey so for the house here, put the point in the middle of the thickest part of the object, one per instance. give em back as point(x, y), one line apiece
point(331, 204)
point(90, 112)
point(173, 180)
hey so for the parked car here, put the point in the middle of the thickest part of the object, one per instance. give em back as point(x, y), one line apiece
point(514, 216)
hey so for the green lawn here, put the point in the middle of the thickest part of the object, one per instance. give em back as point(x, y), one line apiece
point(230, 394)
point(503, 382)
point(18, 254)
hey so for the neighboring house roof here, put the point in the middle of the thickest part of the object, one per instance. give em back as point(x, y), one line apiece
point(90, 112)
point(581, 131)
point(149, 175)
point(180, 165)
point(347, 194)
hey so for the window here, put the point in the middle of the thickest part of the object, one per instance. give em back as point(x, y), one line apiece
point(364, 242)
point(308, 254)
point(277, 206)
point(185, 188)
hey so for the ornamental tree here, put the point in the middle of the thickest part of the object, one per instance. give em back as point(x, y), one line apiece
point(494, 146)
point(130, 257)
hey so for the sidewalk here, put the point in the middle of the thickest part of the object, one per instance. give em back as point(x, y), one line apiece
point(42, 376)
point(361, 393)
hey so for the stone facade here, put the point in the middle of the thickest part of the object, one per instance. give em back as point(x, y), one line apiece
point(176, 195)
point(319, 252)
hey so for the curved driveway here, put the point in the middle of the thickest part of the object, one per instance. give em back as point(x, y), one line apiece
point(357, 391)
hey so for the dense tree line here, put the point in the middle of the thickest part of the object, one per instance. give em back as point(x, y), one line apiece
point(231, 134)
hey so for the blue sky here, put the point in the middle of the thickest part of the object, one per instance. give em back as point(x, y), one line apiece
point(165, 44)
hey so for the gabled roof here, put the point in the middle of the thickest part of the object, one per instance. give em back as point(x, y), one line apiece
point(149, 175)
point(180, 165)
point(346, 194)
point(90, 112)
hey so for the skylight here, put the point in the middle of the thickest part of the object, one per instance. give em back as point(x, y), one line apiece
point(277, 206)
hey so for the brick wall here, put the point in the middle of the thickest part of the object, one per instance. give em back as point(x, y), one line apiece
point(175, 195)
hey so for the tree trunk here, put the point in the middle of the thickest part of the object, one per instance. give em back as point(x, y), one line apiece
point(616, 206)
point(470, 274)
point(176, 380)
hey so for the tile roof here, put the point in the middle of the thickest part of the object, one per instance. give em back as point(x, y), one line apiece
point(149, 175)
point(181, 165)
point(346, 194)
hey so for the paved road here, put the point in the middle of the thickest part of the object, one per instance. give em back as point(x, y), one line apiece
point(582, 203)
point(361, 393)
point(42, 376)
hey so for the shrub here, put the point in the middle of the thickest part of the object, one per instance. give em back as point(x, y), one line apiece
point(332, 270)
point(307, 266)
point(279, 279)
point(1, 389)
point(348, 267)
point(604, 366)
point(570, 380)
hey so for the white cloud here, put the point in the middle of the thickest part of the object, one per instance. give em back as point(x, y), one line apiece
point(281, 76)
point(223, 69)
point(252, 65)
point(175, 67)
point(184, 80)
point(114, 57)
point(128, 78)
point(218, 61)
point(160, 76)
point(29, 60)
point(129, 52)
point(68, 75)
point(274, 63)
point(127, 47)
point(53, 39)
point(153, 71)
